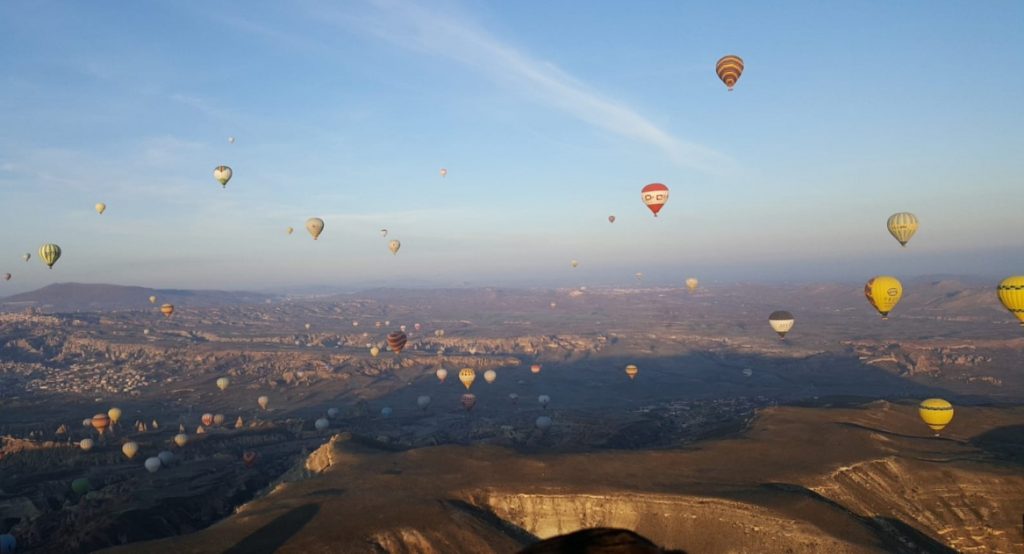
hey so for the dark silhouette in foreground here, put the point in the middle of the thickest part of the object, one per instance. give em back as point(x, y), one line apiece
point(599, 540)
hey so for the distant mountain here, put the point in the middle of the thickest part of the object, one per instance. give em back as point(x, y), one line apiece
point(61, 297)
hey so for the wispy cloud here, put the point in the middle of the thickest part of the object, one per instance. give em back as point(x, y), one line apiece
point(457, 38)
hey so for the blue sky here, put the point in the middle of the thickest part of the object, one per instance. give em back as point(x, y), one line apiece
point(548, 116)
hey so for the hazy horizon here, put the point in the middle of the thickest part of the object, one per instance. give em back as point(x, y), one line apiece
point(843, 116)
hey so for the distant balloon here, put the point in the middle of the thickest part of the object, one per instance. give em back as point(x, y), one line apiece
point(87, 422)
point(393, 246)
point(1011, 294)
point(166, 458)
point(223, 382)
point(249, 458)
point(207, 419)
point(490, 375)
point(231, 140)
point(291, 230)
point(423, 401)
point(467, 376)
point(81, 486)
point(219, 419)
point(374, 351)
point(315, 226)
point(781, 322)
point(902, 226)
point(553, 305)
point(543, 422)
point(535, 369)
point(936, 413)
point(26, 256)
point(729, 68)
point(574, 263)
point(443, 172)
point(167, 310)
point(692, 283)
point(631, 371)
point(7, 276)
point(321, 424)
point(468, 401)
point(654, 195)
point(544, 400)
point(611, 219)
point(222, 174)
point(181, 439)
point(100, 422)
point(747, 372)
point(145, 331)
point(397, 340)
point(401, 328)
point(386, 411)
point(152, 299)
point(883, 292)
point(114, 414)
point(332, 413)
point(86, 444)
point(129, 449)
point(100, 208)
point(513, 397)
point(152, 464)
point(49, 253)
point(355, 323)
point(383, 232)
point(639, 276)
point(417, 326)
point(442, 374)
point(308, 326)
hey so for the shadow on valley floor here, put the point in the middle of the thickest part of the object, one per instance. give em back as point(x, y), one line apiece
point(1005, 443)
point(270, 537)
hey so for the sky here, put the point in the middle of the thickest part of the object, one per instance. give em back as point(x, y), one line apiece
point(549, 117)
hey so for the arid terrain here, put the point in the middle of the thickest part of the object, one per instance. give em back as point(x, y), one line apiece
point(728, 440)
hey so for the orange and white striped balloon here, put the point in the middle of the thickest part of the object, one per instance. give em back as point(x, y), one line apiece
point(729, 69)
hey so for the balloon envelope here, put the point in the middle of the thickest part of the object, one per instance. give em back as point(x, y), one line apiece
point(467, 376)
point(153, 464)
point(222, 174)
point(181, 439)
point(397, 340)
point(442, 374)
point(393, 246)
point(631, 371)
point(544, 400)
point(781, 322)
point(611, 219)
point(315, 226)
point(223, 382)
point(423, 401)
point(166, 458)
point(81, 485)
point(1011, 294)
point(729, 68)
point(543, 422)
point(902, 226)
point(86, 444)
point(490, 375)
point(883, 292)
point(263, 401)
point(129, 449)
point(935, 413)
point(167, 310)
point(468, 401)
point(691, 284)
point(101, 207)
point(114, 414)
point(207, 419)
point(49, 253)
point(385, 411)
point(535, 368)
point(654, 195)
point(321, 424)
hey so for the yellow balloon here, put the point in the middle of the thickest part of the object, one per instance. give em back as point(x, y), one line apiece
point(374, 351)
point(936, 413)
point(884, 292)
point(49, 253)
point(631, 371)
point(902, 226)
point(152, 300)
point(467, 376)
point(101, 207)
point(691, 284)
point(1011, 294)
point(223, 382)
point(114, 414)
point(130, 449)
point(315, 226)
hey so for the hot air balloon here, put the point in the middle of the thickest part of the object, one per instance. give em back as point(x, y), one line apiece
point(883, 292)
point(100, 208)
point(691, 284)
point(87, 422)
point(611, 219)
point(467, 376)
point(1011, 294)
point(239, 424)
point(114, 414)
point(249, 458)
point(535, 369)
point(231, 140)
point(374, 351)
point(747, 372)
point(543, 422)
point(574, 263)
point(383, 233)
point(393, 246)
point(423, 401)
point(902, 226)
point(781, 322)
point(936, 413)
point(129, 449)
point(468, 401)
point(639, 276)
point(152, 299)
point(86, 444)
point(263, 401)
point(513, 397)
point(222, 174)
point(100, 422)
point(49, 253)
point(308, 326)
point(355, 323)
point(490, 375)
point(166, 458)
point(386, 411)
point(218, 419)
point(321, 424)
point(401, 328)
point(8, 544)
point(553, 305)
point(332, 413)
point(654, 196)
point(81, 486)
point(26, 256)
point(417, 326)
point(7, 276)
point(397, 340)
point(443, 172)
point(442, 374)
point(631, 371)
point(544, 400)
point(167, 310)
point(181, 439)
point(729, 68)
point(223, 382)
point(152, 464)
point(291, 230)
point(207, 419)
point(315, 226)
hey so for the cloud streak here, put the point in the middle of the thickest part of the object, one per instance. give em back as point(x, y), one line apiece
point(414, 27)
